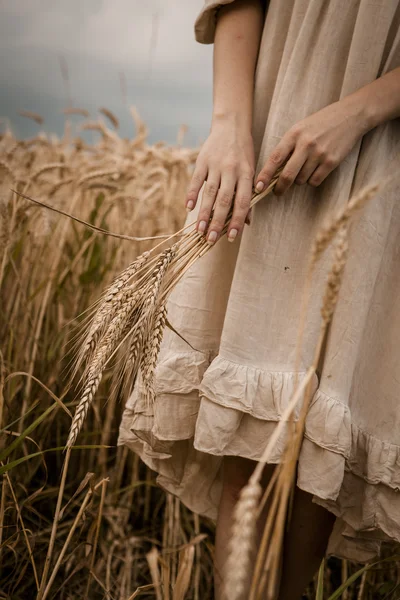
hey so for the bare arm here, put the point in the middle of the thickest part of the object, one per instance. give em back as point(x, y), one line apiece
point(236, 45)
point(319, 143)
point(226, 160)
point(381, 99)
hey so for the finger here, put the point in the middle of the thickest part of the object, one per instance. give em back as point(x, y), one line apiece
point(222, 206)
point(307, 170)
point(198, 178)
point(321, 173)
point(274, 161)
point(241, 207)
point(249, 217)
point(207, 200)
point(290, 171)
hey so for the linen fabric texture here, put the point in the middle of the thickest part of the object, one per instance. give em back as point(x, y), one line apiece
point(239, 306)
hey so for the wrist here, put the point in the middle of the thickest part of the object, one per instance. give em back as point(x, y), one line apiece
point(233, 119)
point(367, 107)
point(360, 111)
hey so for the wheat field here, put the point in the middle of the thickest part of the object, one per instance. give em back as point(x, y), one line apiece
point(117, 535)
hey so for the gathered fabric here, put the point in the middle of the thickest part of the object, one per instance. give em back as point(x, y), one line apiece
point(239, 306)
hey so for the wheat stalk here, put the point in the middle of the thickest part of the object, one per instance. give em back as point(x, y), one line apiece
point(286, 477)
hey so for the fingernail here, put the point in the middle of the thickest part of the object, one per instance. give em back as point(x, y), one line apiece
point(202, 227)
point(212, 236)
point(189, 205)
point(232, 234)
point(260, 186)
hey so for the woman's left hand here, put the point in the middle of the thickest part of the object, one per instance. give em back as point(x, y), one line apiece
point(315, 146)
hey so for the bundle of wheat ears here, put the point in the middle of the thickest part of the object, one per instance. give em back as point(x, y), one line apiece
point(130, 317)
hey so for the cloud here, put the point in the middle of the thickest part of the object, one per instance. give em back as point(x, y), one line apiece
point(151, 42)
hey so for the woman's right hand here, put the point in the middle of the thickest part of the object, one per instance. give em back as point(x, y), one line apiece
point(226, 164)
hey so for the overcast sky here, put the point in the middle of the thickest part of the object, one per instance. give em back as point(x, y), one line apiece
point(151, 42)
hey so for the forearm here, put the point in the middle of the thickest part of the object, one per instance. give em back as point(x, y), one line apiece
point(379, 101)
point(236, 46)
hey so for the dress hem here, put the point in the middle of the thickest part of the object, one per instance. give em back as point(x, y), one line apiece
point(191, 428)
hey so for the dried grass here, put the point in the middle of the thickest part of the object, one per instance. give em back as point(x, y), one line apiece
point(92, 523)
point(32, 115)
point(81, 535)
point(110, 116)
point(76, 111)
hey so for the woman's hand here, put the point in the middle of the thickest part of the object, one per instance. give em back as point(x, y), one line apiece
point(315, 145)
point(226, 164)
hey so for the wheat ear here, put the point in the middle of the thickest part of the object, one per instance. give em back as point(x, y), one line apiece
point(118, 326)
point(326, 234)
point(150, 353)
point(152, 298)
point(241, 544)
point(132, 318)
point(108, 306)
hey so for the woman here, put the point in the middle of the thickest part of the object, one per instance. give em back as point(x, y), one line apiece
point(314, 85)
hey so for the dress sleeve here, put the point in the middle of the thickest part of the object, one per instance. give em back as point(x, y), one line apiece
point(204, 27)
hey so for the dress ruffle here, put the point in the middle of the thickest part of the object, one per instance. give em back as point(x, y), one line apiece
point(206, 408)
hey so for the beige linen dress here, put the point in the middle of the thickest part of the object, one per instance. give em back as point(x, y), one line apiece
point(239, 306)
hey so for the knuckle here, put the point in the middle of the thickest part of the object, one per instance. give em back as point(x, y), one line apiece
point(237, 221)
point(197, 179)
point(330, 161)
point(301, 180)
point(263, 175)
point(211, 189)
point(192, 194)
point(216, 225)
point(321, 153)
point(242, 201)
point(247, 174)
point(229, 165)
point(275, 158)
point(309, 143)
point(287, 177)
point(204, 214)
point(296, 131)
point(211, 165)
point(314, 181)
point(224, 199)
